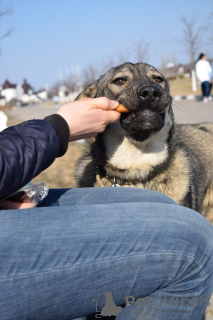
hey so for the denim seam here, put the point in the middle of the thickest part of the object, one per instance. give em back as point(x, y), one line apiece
point(100, 261)
point(120, 201)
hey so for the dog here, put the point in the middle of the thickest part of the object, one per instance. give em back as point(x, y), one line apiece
point(146, 148)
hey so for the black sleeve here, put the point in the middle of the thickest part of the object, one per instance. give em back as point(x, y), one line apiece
point(26, 150)
point(62, 130)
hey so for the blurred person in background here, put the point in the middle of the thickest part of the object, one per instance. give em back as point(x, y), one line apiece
point(204, 76)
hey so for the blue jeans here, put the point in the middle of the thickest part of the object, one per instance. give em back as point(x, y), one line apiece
point(137, 248)
point(206, 88)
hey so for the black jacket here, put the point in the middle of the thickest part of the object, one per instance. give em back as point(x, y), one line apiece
point(29, 148)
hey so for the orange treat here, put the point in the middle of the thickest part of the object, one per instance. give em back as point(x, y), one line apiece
point(120, 108)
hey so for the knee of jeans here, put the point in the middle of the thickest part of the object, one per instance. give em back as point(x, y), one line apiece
point(199, 233)
point(120, 194)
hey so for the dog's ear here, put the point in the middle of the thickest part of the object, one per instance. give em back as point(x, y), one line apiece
point(89, 92)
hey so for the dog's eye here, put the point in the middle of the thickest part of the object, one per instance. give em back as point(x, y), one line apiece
point(119, 81)
point(158, 79)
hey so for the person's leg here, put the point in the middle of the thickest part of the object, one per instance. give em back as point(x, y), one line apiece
point(56, 262)
point(205, 89)
point(84, 196)
point(210, 88)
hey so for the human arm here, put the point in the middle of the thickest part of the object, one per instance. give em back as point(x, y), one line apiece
point(89, 117)
point(31, 147)
point(25, 151)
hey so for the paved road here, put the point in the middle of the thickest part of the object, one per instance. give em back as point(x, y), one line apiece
point(191, 111)
point(186, 111)
point(37, 111)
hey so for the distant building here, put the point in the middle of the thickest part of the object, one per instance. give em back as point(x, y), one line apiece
point(64, 94)
point(42, 94)
point(3, 120)
point(21, 94)
point(27, 88)
point(9, 91)
point(2, 101)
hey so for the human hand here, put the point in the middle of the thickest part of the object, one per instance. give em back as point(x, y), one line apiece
point(16, 205)
point(89, 117)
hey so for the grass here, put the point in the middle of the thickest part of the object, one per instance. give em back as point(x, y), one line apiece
point(182, 87)
point(61, 173)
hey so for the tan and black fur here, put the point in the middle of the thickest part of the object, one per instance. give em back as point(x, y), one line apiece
point(146, 148)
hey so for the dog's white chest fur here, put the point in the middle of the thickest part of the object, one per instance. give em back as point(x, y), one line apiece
point(126, 154)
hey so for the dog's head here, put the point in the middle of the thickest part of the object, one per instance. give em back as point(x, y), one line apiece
point(140, 88)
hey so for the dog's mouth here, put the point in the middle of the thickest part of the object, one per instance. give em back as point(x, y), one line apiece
point(141, 123)
point(142, 120)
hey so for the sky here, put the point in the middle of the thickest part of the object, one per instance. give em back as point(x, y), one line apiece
point(51, 38)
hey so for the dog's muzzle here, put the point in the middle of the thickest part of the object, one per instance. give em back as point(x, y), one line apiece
point(148, 113)
point(149, 93)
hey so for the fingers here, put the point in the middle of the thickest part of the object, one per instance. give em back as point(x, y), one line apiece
point(103, 103)
point(112, 116)
point(106, 104)
point(26, 205)
point(16, 205)
point(88, 117)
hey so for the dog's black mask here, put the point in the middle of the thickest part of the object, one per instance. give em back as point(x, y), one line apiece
point(147, 109)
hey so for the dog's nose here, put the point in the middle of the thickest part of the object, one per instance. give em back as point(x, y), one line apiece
point(149, 92)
